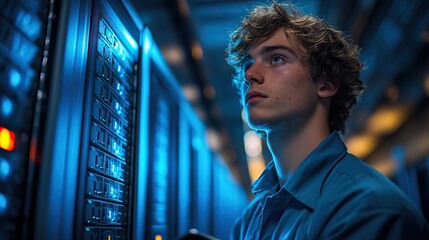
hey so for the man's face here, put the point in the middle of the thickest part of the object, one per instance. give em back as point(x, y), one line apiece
point(279, 90)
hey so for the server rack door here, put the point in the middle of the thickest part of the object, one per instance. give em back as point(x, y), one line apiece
point(162, 191)
point(107, 153)
point(184, 177)
point(194, 173)
point(200, 182)
point(23, 27)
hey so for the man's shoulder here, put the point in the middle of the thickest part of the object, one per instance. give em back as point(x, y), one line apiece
point(357, 183)
point(356, 196)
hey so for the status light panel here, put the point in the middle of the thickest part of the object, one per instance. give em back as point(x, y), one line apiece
point(109, 160)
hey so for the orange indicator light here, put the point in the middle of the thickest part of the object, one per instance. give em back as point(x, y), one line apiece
point(7, 139)
point(158, 237)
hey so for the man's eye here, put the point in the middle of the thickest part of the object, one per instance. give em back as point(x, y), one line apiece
point(277, 59)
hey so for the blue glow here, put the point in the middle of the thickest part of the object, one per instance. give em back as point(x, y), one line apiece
point(130, 39)
point(118, 87)
point(118, 108)
point(6, 107)
point(115, 148)
point(113, 170)
point(29, 23)
point(14, 78)
point(117, 127)
point(3, 203)
point(4, 168)
point(24, 49)
point(147, 44)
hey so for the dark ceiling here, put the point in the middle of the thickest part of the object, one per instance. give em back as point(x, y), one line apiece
point(393, 35)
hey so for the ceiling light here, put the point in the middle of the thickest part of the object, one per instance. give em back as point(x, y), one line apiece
point(388, 119)
point(191, 93)
point(213, 139)
point(361, 145)
point(252, 144)
point(256, 167)
point(173, 55)
point(197, 51)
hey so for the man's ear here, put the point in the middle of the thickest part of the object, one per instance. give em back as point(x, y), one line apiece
point(327, 88)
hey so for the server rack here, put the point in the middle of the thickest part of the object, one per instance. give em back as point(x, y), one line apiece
point(178, 184)
point(163, 108)
point(162, 160)
point(24, 28)
point(105, 190)
point(87, 183)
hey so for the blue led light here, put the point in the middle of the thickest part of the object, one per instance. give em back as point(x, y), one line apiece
point(117, 127)
point(115, 148)
point(4, 168)
point(113, 171)
point(130, 39)
point(120, 88)
point(14, 78)
point(3, 203)
point(29, 23)
point(118, 108)
point(109, 214)
point(6, 106)
point(23, 48)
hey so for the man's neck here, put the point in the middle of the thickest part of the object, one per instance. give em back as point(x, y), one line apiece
point(290, 146)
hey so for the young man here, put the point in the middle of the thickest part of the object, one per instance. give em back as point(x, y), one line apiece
point(297, 78)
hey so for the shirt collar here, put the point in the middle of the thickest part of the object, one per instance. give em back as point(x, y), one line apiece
point(306, 182)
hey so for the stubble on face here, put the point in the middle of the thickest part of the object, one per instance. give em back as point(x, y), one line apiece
point(288, 86)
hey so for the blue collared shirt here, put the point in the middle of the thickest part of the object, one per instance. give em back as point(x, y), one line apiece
point(332, 195)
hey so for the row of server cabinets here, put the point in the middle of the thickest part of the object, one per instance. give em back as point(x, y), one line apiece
point(96, 138)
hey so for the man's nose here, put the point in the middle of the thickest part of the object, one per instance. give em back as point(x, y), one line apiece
point(254, 74)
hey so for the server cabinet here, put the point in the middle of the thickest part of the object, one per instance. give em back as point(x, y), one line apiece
point(179, 188)
point(107, 160)
point(164, 106)
point(23, 31)
point(87, 175)
point(162, 161)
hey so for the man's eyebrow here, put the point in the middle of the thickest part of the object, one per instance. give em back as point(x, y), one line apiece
point(268, 49)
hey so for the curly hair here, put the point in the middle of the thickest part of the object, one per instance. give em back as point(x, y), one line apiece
point(329, 54)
